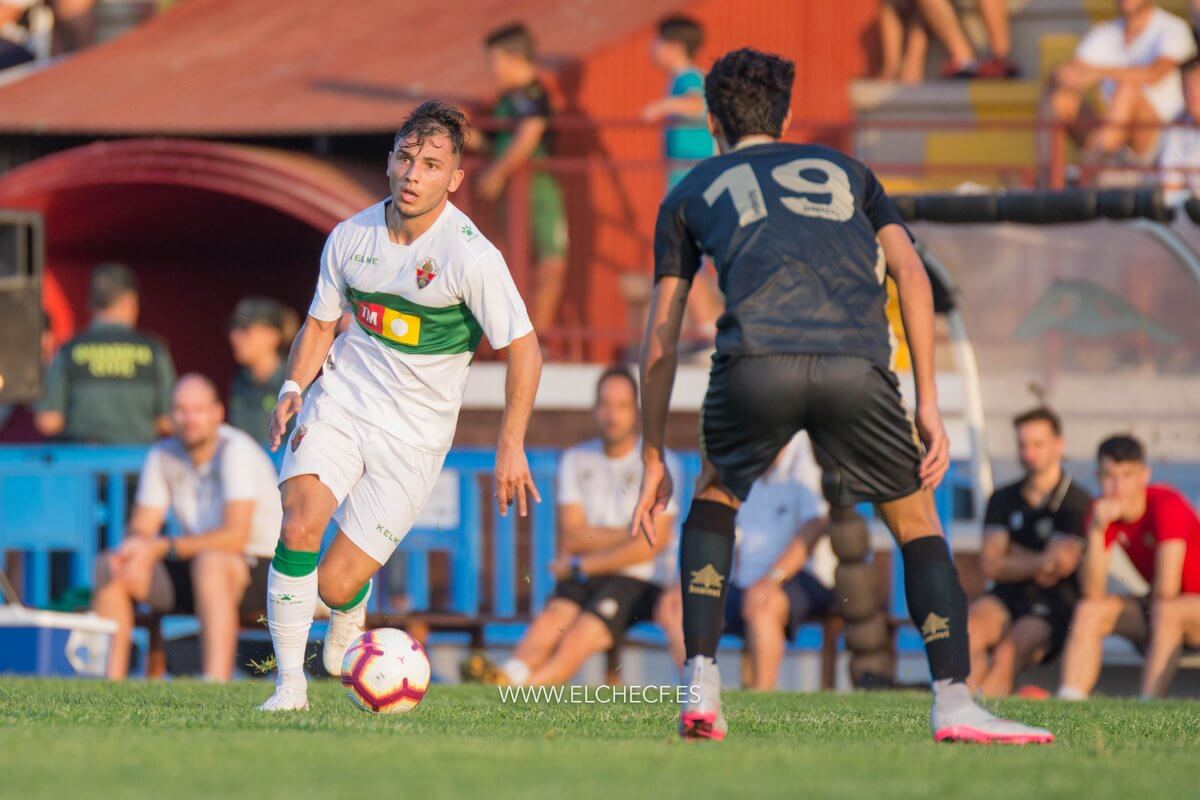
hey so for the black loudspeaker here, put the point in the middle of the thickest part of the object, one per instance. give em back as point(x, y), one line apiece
point(21, 319)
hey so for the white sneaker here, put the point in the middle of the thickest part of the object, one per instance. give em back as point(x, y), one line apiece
point(700, 714)
point(290, 695)
point(955, 717)
point(344, 628)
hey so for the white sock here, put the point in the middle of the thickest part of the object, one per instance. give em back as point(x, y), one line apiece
point(516, 670)
point(291, 603)
point(1069, 693)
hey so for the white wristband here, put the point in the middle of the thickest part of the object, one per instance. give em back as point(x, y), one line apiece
point(289, 387)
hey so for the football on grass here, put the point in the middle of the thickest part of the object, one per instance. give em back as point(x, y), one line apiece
point(386, 671)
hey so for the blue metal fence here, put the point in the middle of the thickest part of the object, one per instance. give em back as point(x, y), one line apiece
point(72, 498)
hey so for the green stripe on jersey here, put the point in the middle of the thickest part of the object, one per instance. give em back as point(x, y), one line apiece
point(413, 328)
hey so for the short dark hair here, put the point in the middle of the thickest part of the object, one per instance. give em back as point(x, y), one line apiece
point(1039, 414)
point(109, 283)
point(515, 39)
point(617, 371)
point(1121, 449)
point(749, 92)
point(434, 118)
point(683, 30)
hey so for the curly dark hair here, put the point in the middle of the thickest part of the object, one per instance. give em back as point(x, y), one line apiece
point(434, 118)
point(749, 92)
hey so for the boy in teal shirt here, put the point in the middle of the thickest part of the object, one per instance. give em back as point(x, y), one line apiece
point(686, 139)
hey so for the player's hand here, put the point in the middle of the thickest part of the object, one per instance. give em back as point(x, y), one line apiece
point(284, 410)
point(490, 185)
point(653, 499)
point(514, 482)
point(937, 446)
point(1105, 511)
point(560, 567)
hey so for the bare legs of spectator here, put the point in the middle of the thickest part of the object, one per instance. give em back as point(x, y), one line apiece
point(544, 633)
point(587, 636)
point(114, 600)
point(765, 613)
point(1024, 644)
point(986, 626)
point(549, 277)
point(1173, 623)
point(995, 20)
point(904, 42)
point(942, 21)
point(219, 580)
point(1095, 619)
point(74, 25)
point(1129, 122)
point(668, 615)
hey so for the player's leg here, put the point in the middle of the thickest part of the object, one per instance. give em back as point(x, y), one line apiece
point(868, 449)
point(378, 512)
point(765, 612)
point(218, 581)
point(548, 220)
point(545, 632)
point(1171, 622)
point(1094, 619)
point(1026, 642)
point(987, 623)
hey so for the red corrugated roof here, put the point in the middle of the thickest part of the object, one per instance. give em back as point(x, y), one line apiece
point(247, 67)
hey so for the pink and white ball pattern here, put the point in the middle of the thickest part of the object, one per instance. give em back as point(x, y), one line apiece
point(386, 671)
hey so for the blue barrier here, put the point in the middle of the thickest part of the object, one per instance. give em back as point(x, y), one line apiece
point(50, 500)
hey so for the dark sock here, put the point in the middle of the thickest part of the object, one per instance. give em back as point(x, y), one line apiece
point(705, 555)
point(938, 606)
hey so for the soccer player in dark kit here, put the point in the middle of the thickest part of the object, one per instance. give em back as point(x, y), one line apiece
point(802, 237)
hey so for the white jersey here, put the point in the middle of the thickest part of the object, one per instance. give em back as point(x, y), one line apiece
point(239, 470)
point(608, 488)
point(419, 312)
point(779, 505)
point(1165, 36)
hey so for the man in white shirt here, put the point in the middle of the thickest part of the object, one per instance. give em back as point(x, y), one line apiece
point(1135, 61)
point(220, 485)
point(1179, 162)
point(607, 581)
point(424, 287)
point(782, 563)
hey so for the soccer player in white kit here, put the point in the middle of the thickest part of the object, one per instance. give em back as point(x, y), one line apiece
point(424, 286)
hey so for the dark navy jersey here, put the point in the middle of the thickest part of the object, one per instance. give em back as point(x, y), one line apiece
point(791, 229)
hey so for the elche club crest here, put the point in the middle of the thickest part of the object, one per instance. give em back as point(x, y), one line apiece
point(427, 270)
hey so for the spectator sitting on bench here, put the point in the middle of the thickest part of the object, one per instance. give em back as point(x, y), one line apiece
point(605, 578)
point(774, 588)
point(1159, 531)
point(221, 486)
point(1032, 545)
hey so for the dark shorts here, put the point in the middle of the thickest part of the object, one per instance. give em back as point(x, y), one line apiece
point(1054, 605)
point(618, 600)
point(851, 408)
point(807, 598)
point(179, 576)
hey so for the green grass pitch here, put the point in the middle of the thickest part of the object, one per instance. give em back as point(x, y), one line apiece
point(182, 739)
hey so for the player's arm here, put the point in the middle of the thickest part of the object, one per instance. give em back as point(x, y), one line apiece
point(305, 359)
point(50, 412)
point(513, 478)
point(916, 308)
point(660, 356)
point(145, 522)
point(231, 536)
point(1147, 74)
point(689, 105)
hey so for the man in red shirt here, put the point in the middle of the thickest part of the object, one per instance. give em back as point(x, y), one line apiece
point(1160, 532)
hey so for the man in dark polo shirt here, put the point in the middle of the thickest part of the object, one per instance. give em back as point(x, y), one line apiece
point(260, 334)
point(1032, 545)
point(111, 384)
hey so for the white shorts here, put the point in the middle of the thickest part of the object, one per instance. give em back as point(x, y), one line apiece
point(380, 482)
